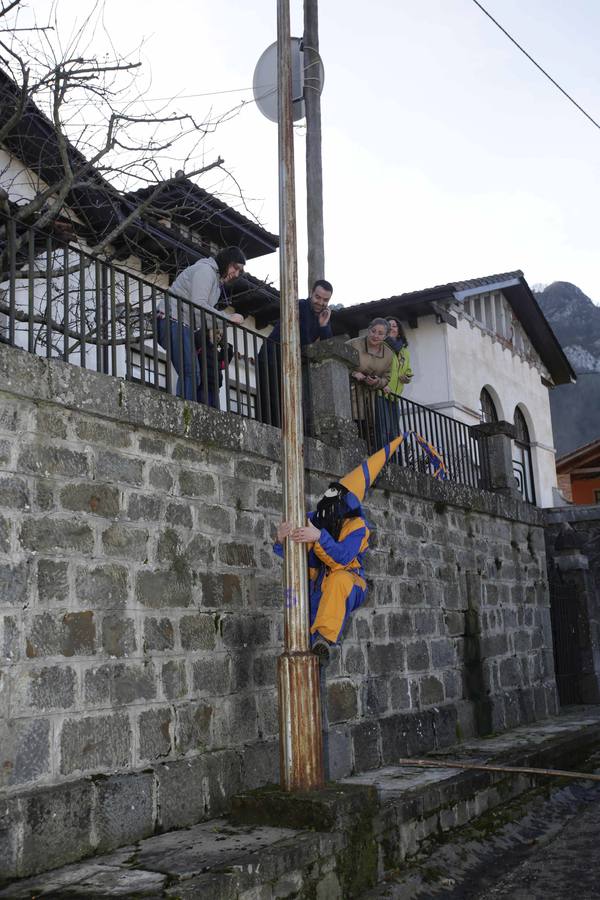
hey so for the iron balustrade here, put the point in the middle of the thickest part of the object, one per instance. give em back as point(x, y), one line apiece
point(381, 417)
point(61, 302)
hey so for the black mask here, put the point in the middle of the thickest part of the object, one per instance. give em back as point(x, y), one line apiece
point(332, 510)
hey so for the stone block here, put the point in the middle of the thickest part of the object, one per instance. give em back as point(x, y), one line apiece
point(354, 662)
point(237, 554)
point(124, 541)
point(49, 460)
point(95, 743)
point(24, 751)
point(144, 506)
point(158, 634)
point(57, 826)
point(197, 632)
point(245, 631)
point(61, 634)
point(342, 701)
point(115, 467)
point(399, 693)
point(236, 720)
point(52, 687)
point(260, 764)
point(10, 827)
point(154, 733)
point(14, 584)
point(213, 519)
point(197, 484)
point(268, 714)
point(160, 478)
point(255, 471)
point(265, 670)
point(510, 675)
point(131, 683)
point(384, 659)
point(118, 635)
point(102, 587)
point(159, 589)
point(417, 656)
point(400, 624)
point(10, 645)
point(181, 793)
point(174, 679)
point(443, 654)
point(123, 810)
point(96, 685)
point(375, 697)
point(431, 690)
point(14, 492)
point(151, 446)
point(179, 515)
point(4, 535)
point(97, 431)
point(221, 591)
point(99, 499)
point(366, 746)
point(52, 581)
point(49, 533)
point(193, 727)
point(212, 675)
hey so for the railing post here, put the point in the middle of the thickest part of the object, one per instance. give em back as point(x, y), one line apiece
point(329, 388)
point(495, 440)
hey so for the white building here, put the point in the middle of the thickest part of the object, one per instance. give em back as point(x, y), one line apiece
point(482, 350)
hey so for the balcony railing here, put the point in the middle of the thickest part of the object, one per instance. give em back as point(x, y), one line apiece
point(434, 444)
point(58, 301)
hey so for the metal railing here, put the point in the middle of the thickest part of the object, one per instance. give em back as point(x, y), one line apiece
point(58, 301)
point(381, 417)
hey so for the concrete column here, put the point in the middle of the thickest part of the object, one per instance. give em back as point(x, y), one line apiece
point(495, 442)
point(330, 363)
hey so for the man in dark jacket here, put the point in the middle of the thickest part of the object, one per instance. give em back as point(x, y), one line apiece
point(314, 315)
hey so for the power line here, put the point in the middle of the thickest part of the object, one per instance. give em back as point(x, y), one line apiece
point(537, 65)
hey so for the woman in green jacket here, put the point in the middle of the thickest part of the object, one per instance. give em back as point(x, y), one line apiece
point(390, 420)
point(401, 373)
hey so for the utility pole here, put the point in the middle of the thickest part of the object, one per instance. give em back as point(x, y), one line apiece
point(300, 726)
point(314, 169)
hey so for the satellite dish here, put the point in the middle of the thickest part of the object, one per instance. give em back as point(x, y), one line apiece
point(264, 83)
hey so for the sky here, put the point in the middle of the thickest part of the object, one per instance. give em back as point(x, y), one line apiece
point(446, 154)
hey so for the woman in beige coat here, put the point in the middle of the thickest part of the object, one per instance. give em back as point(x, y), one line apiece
point(373, 372)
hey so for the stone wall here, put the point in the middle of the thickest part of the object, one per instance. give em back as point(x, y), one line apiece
point(141, 614)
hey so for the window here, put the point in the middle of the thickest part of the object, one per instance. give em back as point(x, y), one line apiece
point(522, 463)
point(247, 401)
point(487, 408)
point(596, 496)
point(155, 375)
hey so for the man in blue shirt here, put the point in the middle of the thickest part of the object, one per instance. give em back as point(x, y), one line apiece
point(314, 315)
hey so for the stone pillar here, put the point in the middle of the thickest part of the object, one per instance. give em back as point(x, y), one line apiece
point(495, 442)
point(571, 567)
point(330, 363)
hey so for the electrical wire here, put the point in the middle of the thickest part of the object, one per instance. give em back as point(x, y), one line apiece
point(536, 64)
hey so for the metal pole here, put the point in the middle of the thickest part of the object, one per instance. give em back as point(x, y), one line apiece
point(314, 170)
point(300, 729)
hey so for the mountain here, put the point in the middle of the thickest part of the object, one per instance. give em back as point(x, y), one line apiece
point(575, 408)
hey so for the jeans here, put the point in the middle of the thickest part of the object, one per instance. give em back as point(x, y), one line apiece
point(191, 369)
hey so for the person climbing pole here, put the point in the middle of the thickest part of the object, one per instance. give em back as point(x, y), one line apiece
point(336, 537)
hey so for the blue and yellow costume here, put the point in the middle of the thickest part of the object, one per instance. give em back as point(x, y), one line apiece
point(335, 566)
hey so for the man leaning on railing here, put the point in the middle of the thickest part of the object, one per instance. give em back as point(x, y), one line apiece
point(199, 285)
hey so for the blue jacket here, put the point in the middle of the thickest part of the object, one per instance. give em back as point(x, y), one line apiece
point(310, 330)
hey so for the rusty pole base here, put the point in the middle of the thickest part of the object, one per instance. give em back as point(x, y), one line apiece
point(300, 723)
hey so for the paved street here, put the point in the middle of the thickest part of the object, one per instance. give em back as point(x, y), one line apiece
point(548, 851)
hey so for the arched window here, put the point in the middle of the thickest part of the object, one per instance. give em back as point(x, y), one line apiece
point(487, 408)
point(522, 463)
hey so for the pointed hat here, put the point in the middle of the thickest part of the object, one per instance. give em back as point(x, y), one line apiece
point(360, 479)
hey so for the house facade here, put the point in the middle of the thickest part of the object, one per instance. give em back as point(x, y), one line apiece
point(481, 350)
point(579, 475)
